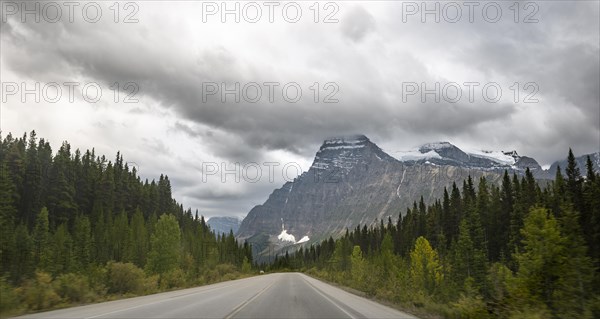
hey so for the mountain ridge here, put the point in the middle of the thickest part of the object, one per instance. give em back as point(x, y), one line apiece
point(224, 224)
point(353, 181)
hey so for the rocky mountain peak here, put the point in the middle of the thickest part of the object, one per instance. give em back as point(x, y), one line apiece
point(344, 153)
point(445, 150)
point(513, 153)
point(349, 139)
point(435, 146)
point(353, 182)
point(445, 153)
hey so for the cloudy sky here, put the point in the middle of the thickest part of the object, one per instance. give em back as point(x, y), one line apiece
point(205, 91)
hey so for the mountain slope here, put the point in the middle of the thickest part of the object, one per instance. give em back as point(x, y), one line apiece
point(351, 181)
point(444, 153)
point(224, 224)
point(581, 163)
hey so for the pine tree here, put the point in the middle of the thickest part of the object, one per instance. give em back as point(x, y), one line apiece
point(539, 262)
point(61, 198)
point(164, 195)
point(558, 192)
point(388, 266)
point(464, 252)
point(506, 214)
point(8, 214)
point(100, 244)
point(120, 238)
point(22, 262)
point(425, 268)
point(590, 171)
point(138, 239)
point(61, 251)
point(456, 212)
point(574, 284)
point(41, 240)
point(82, 243)
point(590, 214)
point(165, 243)
point(446, 218)
point(573, 180)
point(31, 196)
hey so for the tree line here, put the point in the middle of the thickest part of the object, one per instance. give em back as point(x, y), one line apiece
point(513, 250)
point(76, 227)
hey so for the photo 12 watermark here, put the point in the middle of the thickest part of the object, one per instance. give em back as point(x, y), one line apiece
point(269, 12)
point(70, 11)
point(55, 92)
point(253, 172)
point(271, 92)
point(470, 11)
point(469, 92)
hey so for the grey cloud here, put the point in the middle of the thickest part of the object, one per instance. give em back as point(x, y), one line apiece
point(357, 23)
point(369, 55)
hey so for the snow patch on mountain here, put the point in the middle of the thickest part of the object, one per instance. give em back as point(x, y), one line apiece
point(497, 156)
point(303, 240)
point(343, 147)
point(415, 155)
point(357, 139)
point(284, 236)
point(435, 146)
point(445, 153)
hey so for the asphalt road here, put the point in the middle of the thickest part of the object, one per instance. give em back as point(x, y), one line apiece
point(283, 295)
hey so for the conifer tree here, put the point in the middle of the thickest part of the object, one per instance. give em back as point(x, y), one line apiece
point(425, 267)
point(165, 243)
point(138, 239)
point(22, 261)
point(41, 240)
point(82, 243)
point(540, 264)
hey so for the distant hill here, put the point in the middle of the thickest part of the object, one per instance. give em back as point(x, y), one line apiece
point(222, 225)
point(581, 163)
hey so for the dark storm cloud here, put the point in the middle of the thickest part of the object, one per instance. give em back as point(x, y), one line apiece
point(369, 55)
point(177, 83)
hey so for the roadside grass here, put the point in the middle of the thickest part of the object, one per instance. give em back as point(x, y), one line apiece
point(116, 281)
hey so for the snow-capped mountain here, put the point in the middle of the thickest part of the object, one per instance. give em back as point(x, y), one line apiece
point(344, 153)
point(445, 153)
point(352, 181)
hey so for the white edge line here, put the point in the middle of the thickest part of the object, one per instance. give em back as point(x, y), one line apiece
point(329, 299)
point(156, 302)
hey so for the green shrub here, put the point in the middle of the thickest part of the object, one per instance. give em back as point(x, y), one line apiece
point(593, 309)
point(39, 293)
point(97, 279)
point(471, 308)
point(124, 278)
point(231, 276)
point(246, 266)
point(531, 312)
point(223, 269)
point(151, 284)
point(174, 278)
point(218, 273)
point(8, 297)
point(74, 288)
